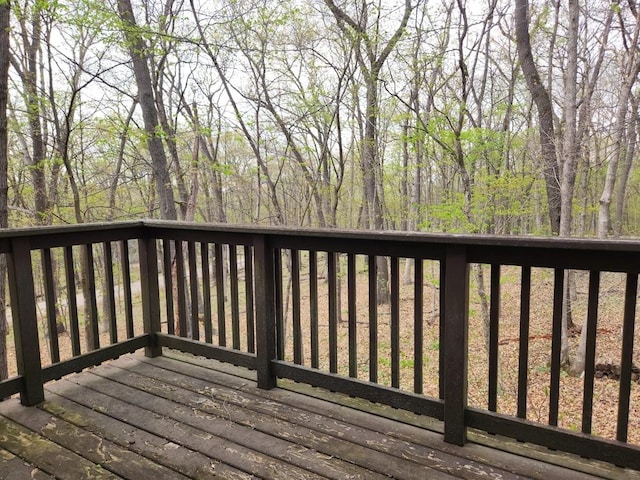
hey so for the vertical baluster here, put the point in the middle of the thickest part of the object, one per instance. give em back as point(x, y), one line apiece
point(92, 327)
point(126, 286)
point(456, 306)
point(25, 323)
point(181, 290)
point(418, 326)
point(628, 327)
point(556, 345)
point(235, 307)
point(332, 281)
point(193, 290)
point(206, 292)
point(265, 311)
point(351, 299)
point(74, 329)
point(373, 319)
point(395, 322)
point(168, 286)
point(278, 273)
point(222, 320)
point(295, 291)
point(313, 307)
point(110, 291)
point(249, 289)
point(50, 301)
point(150, 291)
point(590, 350)
point(494, 320)
point(441, 329)
point(523, 351)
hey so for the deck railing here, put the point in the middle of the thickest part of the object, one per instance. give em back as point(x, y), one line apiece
point(304, 305)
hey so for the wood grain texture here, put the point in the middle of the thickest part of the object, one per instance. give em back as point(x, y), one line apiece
point(179, 416)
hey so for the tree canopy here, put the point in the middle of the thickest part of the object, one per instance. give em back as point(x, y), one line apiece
point(430, 115)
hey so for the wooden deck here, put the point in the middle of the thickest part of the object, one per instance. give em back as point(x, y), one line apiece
point(175, 417)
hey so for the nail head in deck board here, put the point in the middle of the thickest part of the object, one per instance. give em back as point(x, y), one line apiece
point(93, 448)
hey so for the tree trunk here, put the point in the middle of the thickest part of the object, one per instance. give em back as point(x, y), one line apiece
point(628, 81)
point(5, 11)
point(542, 100)
point(138, 52)
point(630, 151)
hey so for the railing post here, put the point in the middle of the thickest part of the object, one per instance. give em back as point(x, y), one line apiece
point(265, 311)
point(456, 313)
point(150, 293)
point(25, 323)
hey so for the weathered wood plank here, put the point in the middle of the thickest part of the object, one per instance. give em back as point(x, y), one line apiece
point(311, 429)
point(181, 418)
point(191, 437)
point(14, 468)
point(110, 456)
point(512, 456)
point(260, 433)
point(188, 462)
point(272, 420)
point(47, 455)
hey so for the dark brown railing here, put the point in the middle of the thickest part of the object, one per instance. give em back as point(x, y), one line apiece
point(272, 300)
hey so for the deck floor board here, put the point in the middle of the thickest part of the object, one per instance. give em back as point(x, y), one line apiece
point(176, 417)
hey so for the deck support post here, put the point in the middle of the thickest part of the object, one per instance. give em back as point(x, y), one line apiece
point(25, 322)
point(456, 326)
point(265, 311)
point(150, 294)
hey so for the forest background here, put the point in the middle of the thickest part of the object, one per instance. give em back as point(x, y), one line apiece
point(427, 115)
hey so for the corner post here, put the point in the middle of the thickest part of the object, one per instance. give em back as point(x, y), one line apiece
point(265, 311)
point(456, 319)
point(25, 323)
point(150, 294)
